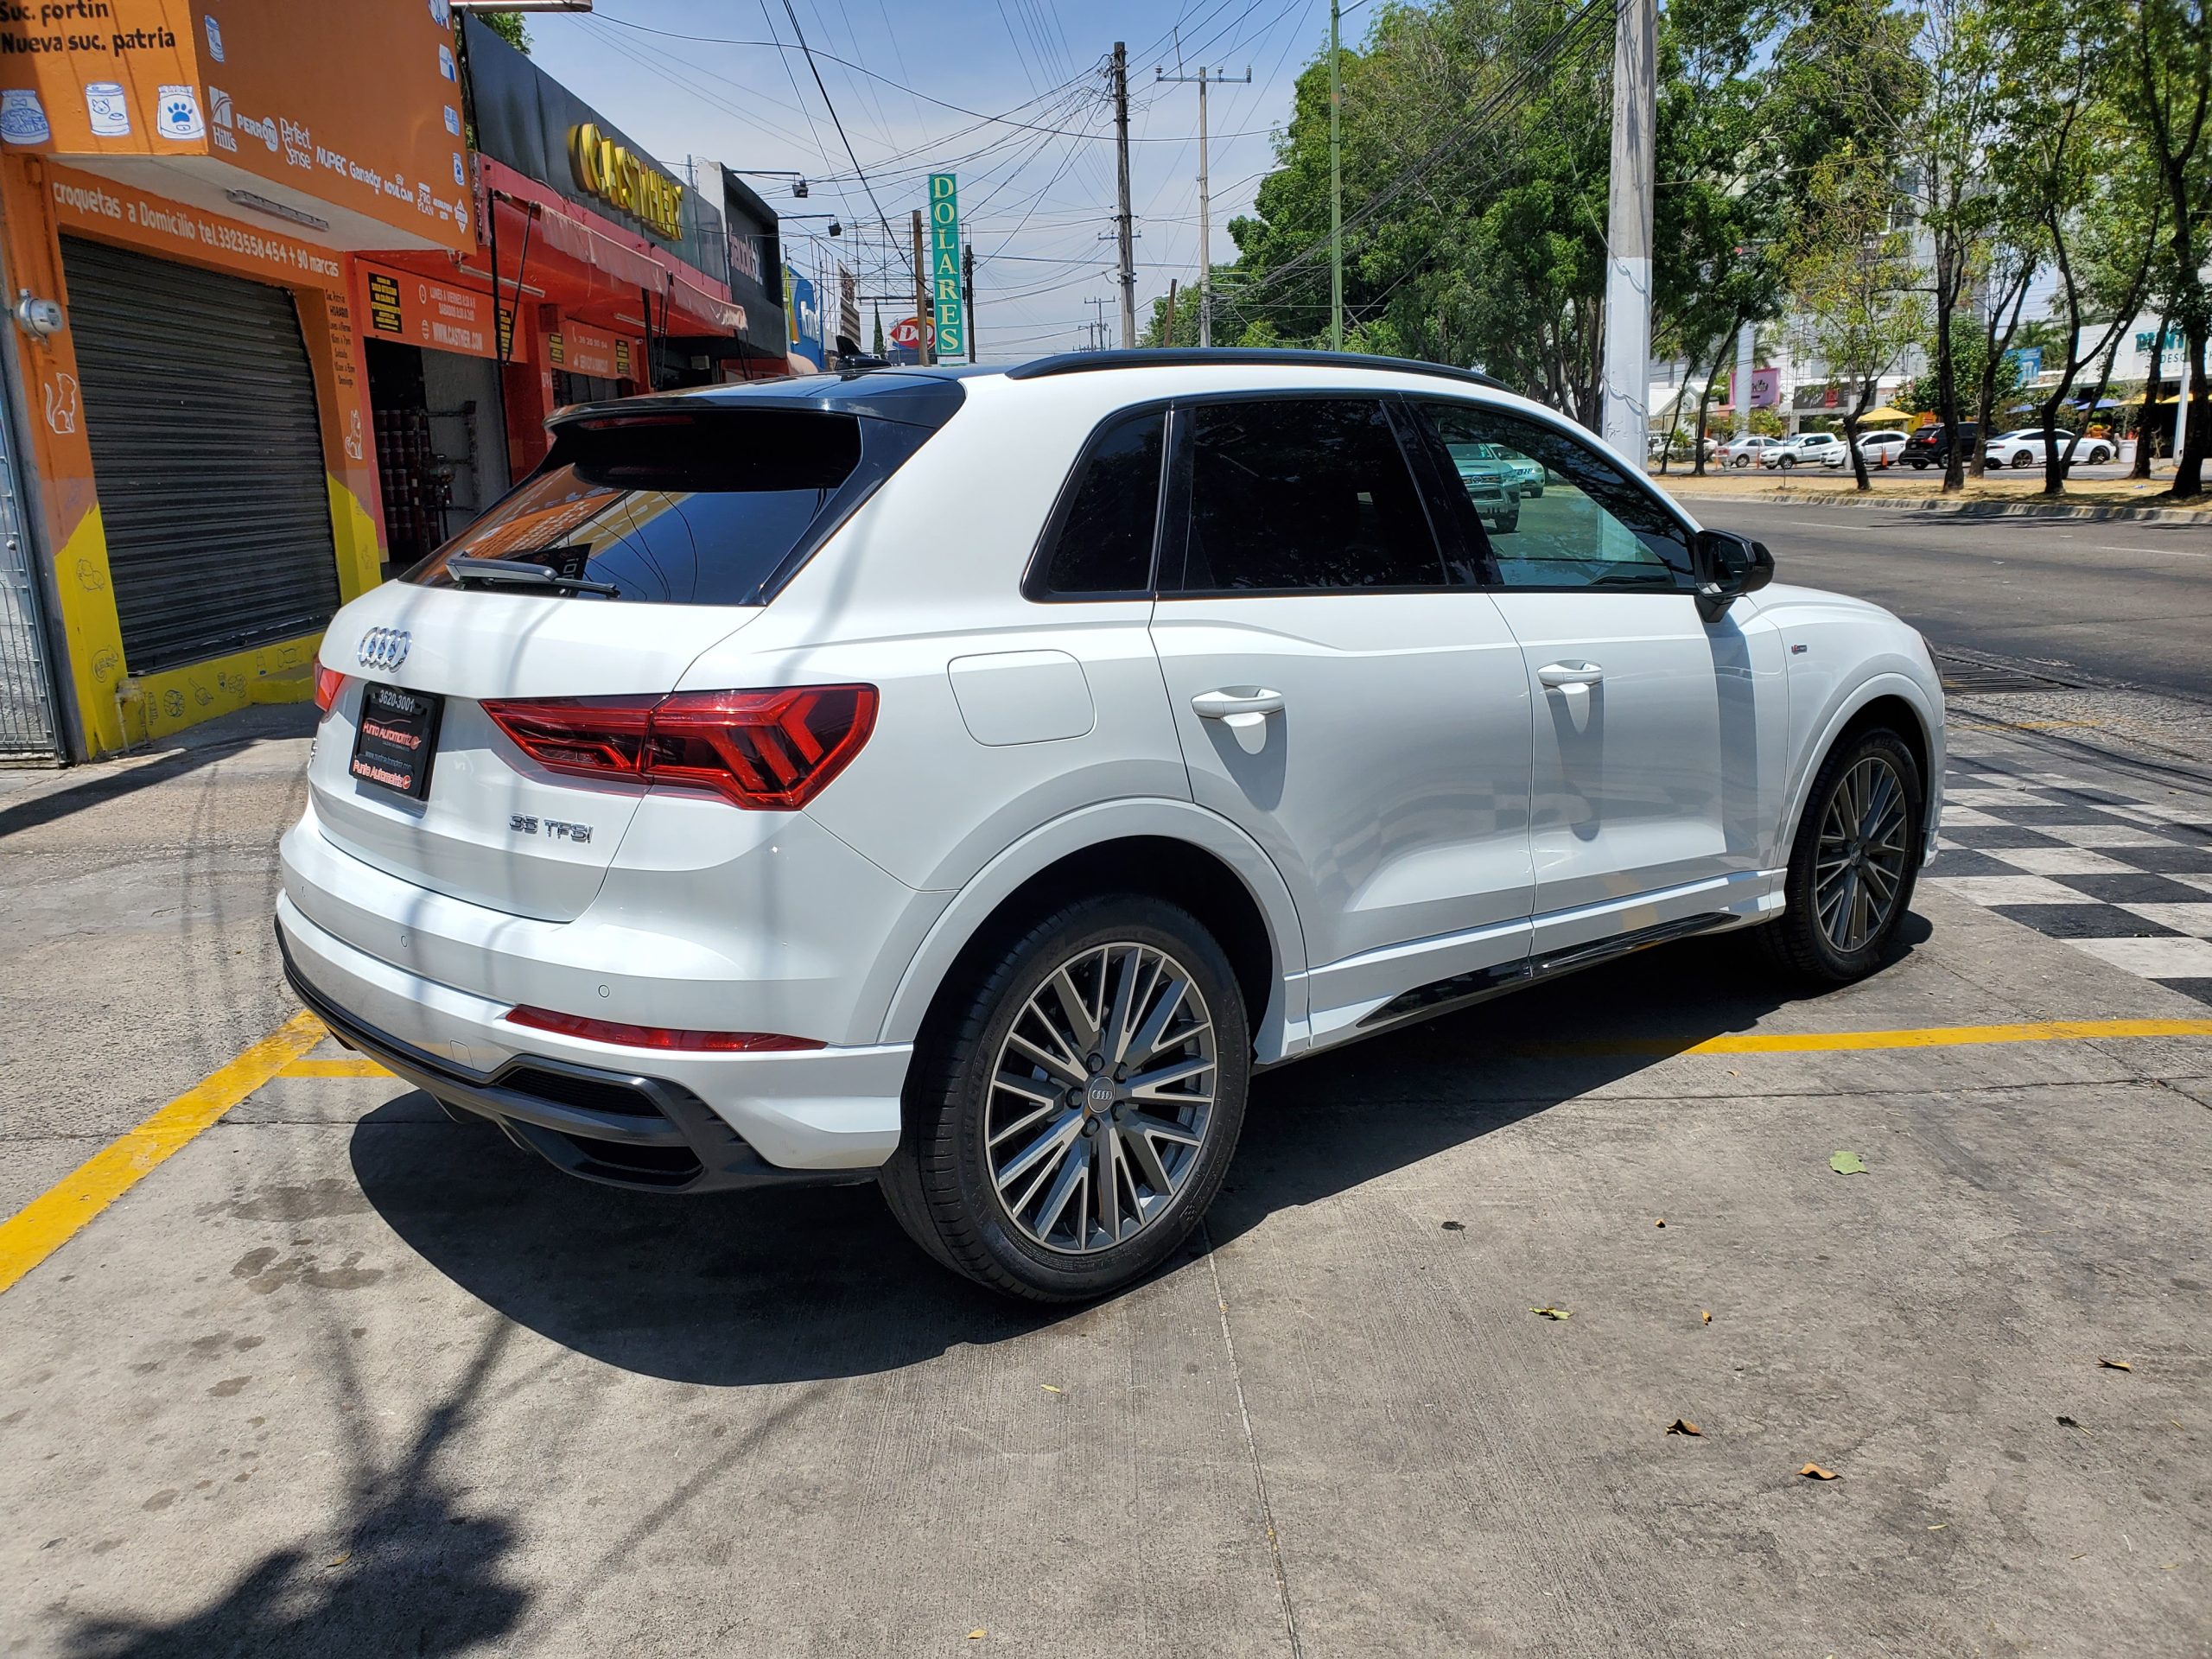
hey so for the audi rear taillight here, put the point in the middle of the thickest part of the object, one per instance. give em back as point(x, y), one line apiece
point(662, 1037)
point(766, 751)
point(329, 682)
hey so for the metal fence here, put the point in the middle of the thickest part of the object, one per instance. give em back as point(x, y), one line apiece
point(28, 729)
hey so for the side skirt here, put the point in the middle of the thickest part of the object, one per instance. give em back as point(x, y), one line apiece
point(1465, 990)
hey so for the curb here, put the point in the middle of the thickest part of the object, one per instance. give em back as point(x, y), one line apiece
point(1936, 507)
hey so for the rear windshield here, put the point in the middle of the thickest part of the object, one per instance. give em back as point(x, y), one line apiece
point(671, 509)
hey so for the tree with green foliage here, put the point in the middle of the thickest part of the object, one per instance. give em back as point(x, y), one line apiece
point(2165, 91)
point(508, 26)
point(1854, 280)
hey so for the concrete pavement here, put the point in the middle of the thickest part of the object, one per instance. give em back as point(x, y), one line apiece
point(341, 1376)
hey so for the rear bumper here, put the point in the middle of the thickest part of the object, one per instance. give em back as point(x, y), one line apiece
point(695, 1123)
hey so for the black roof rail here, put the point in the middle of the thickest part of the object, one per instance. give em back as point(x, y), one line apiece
point(1184, 357)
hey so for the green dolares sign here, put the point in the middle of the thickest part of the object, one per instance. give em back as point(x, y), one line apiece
point(945, 267)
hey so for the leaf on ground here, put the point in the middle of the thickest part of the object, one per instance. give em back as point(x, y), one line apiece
point(977, 1636)
point(1683, 1426)
point(1551, 1313)
point(341, 1559)
point(1708, 1315)
point(1848, 1163)
point(1939, 1526)
point(1048, 1388)
point(1814, 1472)
point(1455, 1226)
point(2115, 1364)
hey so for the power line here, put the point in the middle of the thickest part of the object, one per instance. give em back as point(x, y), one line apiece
point(800, 35)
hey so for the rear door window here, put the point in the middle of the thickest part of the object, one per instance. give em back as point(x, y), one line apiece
point(670, 508)
point(1303, 495)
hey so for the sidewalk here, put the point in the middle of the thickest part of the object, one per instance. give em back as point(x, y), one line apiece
point(1996, 493)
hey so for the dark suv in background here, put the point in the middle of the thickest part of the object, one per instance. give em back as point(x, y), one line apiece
point(1929, 446)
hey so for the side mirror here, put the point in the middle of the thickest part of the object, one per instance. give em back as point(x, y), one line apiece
point(1727, 565)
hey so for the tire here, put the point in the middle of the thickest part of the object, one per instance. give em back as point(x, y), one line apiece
point(2099, 455)
point(1798, 941)
point(1919, 466)
point(940, 1183)
point(1507, 526)
point(2023, 459)
point(1787, 462)
point(1740, 461)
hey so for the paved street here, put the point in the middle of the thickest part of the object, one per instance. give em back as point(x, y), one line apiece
point(341, 1376)
point(2127, 600)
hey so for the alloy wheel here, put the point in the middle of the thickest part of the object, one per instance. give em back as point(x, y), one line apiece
point(1859, 867)
point(1101, 1098)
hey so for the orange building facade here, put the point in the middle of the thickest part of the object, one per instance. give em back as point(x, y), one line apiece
point(255, 361)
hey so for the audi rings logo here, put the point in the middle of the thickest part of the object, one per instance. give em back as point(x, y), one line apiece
point(383, 648)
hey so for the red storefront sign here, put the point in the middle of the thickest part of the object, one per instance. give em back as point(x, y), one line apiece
point(587, 351)
point(409, 308)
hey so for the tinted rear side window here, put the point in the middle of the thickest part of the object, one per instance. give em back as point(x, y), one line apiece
point(1302, 494)
point(673, 509)
point(1100, 540)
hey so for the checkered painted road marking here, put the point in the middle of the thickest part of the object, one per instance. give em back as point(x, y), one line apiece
point(2123, 878)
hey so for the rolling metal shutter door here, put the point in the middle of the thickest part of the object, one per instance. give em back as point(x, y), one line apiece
point(200, 408)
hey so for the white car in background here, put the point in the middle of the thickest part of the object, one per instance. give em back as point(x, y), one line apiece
point(1882, 448)
point(1807, 449)
point(965, 779)
point(1745, 451)
point(2024, 448)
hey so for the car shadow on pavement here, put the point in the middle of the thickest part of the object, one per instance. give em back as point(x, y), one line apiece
point(785, 1286)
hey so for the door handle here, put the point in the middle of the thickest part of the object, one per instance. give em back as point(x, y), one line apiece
point(1559, 676)
point(1227, 705)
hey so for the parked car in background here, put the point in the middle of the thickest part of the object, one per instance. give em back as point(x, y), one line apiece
point(705, 817)
point(1881, 448)
point(1489, 483)
point(1527, 475)
point(1744, 452)
point(1929, 447)
point(2024, 448)
point(1807, 449)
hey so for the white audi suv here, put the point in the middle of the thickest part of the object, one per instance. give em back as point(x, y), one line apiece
point(967, 778)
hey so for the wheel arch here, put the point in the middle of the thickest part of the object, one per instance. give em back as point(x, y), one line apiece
point(1175, 850)
point(1891, 699)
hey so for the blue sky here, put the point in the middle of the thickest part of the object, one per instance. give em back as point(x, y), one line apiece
point(1036, 197)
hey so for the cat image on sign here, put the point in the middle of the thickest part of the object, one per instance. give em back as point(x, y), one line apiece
point(61, 403)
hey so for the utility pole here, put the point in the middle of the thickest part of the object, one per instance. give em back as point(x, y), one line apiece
point(1628, 233)
point(1098, 324)
point(2181, 409)
point(1123, 221)
point(968, 274)
point(922, 352)
point(1168, 328)
point(1205, 200)
point(1746, 338)
point(1336, 192)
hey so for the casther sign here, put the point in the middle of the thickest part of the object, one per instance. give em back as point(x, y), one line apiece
point(531, 122)
point(604, 168)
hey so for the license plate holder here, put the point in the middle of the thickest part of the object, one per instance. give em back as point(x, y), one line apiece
point(395, 739)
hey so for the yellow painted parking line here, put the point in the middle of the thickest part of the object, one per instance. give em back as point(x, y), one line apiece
point(348, 1065)
point(42, 1226)
point(1818, 1042)
point(47, 1222)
